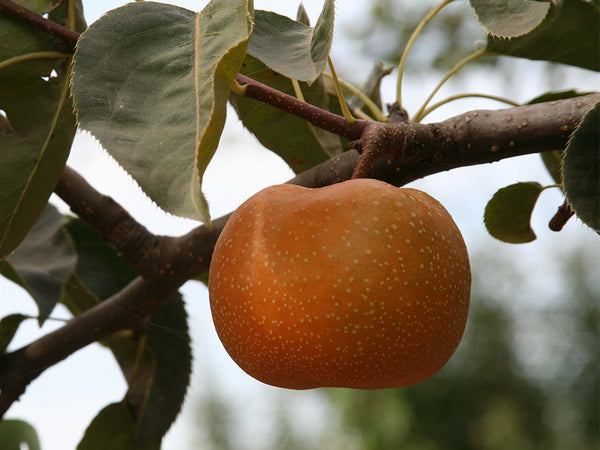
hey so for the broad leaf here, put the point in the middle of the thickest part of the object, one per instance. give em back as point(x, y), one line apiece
point(8, 327)
point(372, 87)
point(508, 214)
point(151, 83)
point(38, 114)
point(571, 38)
point(157, 364)
point(511, 18)
point(113, 428)
point(553, 159)
point(300, 51)
point(169, 342)
point(43, 262)
point(581, 169)
point(299, 143)
point(16, 433)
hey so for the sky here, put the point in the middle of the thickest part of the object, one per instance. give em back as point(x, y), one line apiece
point(64, 400)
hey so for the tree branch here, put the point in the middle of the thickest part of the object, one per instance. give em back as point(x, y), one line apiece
point(116, 226)
point(404, 152)
point(69, 36)
point(129, 308)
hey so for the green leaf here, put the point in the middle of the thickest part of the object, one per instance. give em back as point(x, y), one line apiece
point(301, 51)
point(511, 18)
point(16, 433)
point(558, 95)
point(157, 364)
point(113, 428)
point(8, 327)
point(34, 95)
point(169, 341)
point(151, 83)
point(99, 267)
point(300, 144)
point(553, 160)
point(508, 214)
point(568, 39)
point(372, 87)
point(581, 169)
point(43, 262)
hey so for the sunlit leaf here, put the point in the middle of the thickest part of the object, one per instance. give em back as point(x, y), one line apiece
point(151, 83)
point(511, 18)
point(14, 434)
point(301, 51)
point(508, 214)
point(568, 39)
point(43, 262)
point(299, 143)
point(34, 95)
point(581, 169)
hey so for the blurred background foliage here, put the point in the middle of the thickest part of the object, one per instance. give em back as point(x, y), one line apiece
point(524, 377)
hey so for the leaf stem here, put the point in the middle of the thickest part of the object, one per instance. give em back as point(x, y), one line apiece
point(410, 43)
point(467, 95)
point(237, 88)
point(343, 105)
point(31, 56)
point(476, 54)
point(373, 108)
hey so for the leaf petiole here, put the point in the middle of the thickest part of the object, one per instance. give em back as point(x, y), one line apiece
point(410, 43)
point(473, 56)
point(460, 96)
point(343, 105)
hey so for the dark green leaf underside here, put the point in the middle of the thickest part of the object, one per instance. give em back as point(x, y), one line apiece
point(571, 38)
point(43, 262)
point(508, 214)
point(581, 168)
point(16, 433)
point(299, 143)
point(40, 130)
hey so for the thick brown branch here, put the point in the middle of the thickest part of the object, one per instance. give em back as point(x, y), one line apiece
point(26, 15)
point(411, 151)
point(116, 226)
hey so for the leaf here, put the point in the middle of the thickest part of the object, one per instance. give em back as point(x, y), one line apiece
point(159, 376)
point(151, 83)
point(299, 143)
point(552, 160)
point(568, 39)
point(372, 87)
point(508, 214)
point(113, 428)
point(16, 433)
point(43, 262)
point(8, 327)
point(581, 169)
point(34, 95)
point(301, 51)
point(169, 341)
point(510, 18)
point(558, 95)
